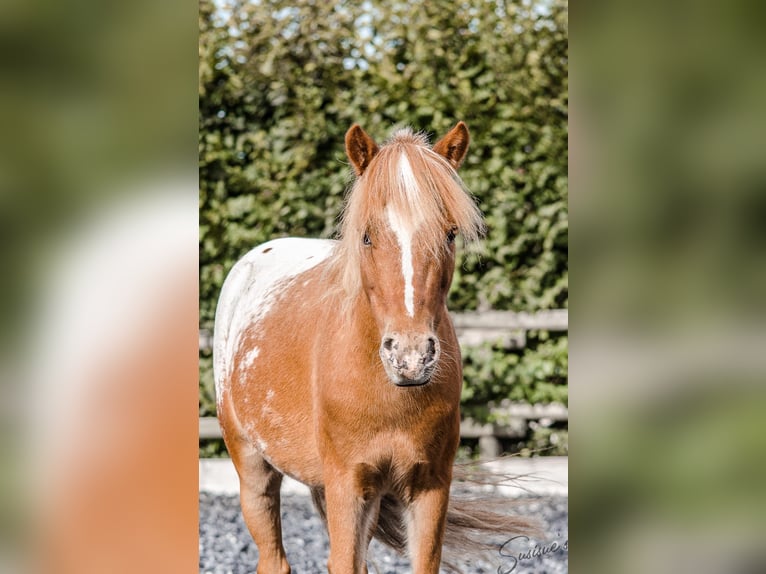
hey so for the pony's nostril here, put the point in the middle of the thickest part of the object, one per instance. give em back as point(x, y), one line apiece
point(431, 349)
point(388, 343)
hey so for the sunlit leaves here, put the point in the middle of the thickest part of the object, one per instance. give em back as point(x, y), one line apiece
point(280, 82)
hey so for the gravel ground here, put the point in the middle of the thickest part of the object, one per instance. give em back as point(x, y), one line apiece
point(226, 547)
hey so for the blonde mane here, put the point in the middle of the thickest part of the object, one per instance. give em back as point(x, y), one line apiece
point(441, 203)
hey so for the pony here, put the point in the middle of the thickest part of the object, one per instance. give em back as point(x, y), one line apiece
point(336, 363)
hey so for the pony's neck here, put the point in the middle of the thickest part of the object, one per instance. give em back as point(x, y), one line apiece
point(361, 321)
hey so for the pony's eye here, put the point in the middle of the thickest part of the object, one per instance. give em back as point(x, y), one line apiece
point(366, 239)
point(451, 235)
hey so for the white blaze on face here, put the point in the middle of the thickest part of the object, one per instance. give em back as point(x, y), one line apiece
point(404, 237)
point(404, 232)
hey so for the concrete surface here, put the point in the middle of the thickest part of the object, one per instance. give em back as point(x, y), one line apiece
point(543, 476)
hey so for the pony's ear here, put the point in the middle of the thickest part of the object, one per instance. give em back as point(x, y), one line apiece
point(454, 145)
point(360, 148)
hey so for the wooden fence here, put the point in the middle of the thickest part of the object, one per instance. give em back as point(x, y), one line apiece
point(474, 328)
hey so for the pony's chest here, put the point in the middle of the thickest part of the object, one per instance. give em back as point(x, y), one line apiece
point(397, 462)
point(392, 435)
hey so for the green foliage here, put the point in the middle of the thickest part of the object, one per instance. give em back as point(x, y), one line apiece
point(215, 448)
point(281, 82)
point(544, 441)
point(535, 374)
point(206, 386)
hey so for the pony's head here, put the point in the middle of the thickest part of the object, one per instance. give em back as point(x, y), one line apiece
point(398, 241)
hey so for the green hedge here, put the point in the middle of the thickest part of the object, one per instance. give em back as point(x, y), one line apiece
point(281, 82)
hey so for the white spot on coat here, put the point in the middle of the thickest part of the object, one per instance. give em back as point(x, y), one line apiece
point(268, 415)
point(250, 358)
point(251, 289)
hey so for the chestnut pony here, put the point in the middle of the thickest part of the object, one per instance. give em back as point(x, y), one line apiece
point(336, 362)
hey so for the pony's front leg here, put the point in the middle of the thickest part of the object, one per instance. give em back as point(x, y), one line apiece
point(427, 514)
point(351, 517)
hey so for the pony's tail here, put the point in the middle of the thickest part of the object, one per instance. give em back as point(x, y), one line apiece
point(476, 524)
point(479, 523)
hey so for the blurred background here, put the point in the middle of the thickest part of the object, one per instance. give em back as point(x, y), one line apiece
point(669, 256)
point(98, 287)
point(281, 82)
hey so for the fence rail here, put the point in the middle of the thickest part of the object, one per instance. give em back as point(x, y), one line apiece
point(474, 328)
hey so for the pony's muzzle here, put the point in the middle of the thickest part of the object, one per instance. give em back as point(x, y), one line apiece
point(409, 359)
